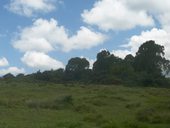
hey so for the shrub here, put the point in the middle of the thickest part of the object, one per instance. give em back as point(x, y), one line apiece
point(62, 103)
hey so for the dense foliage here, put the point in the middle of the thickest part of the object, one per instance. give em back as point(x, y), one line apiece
point(148, 67)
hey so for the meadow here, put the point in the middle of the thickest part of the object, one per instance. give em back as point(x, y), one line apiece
point(47, 105)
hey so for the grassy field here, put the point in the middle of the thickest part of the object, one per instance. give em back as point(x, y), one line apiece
point(73, 106)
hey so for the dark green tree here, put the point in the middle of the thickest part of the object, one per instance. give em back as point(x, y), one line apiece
point(77, 64)
point(57, 76)
point(151, 63)
point(101, 64)
point(103, 54)
point(150, 58)
point(76, 68)
point(103, 68)
point(129, 59)
point(50, 76)
point(8, 76)
point(20, 75)
point(105, 61)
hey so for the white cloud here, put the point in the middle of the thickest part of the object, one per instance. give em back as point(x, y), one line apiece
point(165, 21)
point(127, 14)
point(121, 53)
point(36, 44)
point(160, 37)
point(31, 7)
point(4, 62)
point(39, 60)
point(157, 5)
point(91, 61)
point(84, 39)
point(45, 36)
point(158, 8)
point(12, 70)
point(116, 15)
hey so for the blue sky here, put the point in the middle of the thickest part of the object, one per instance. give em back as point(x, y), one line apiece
point(45, 34)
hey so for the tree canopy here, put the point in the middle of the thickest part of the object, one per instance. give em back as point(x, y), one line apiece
point(77, 64)
point(148, 67)
point(76, 68)
point(150, 59)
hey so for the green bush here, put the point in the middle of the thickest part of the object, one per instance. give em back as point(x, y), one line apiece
point(62, 103)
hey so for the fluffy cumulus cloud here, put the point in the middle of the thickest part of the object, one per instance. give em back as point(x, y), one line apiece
point(127, 14)
point(39, 60)
point(31, 7)
point(4, 62)
point(160, 36)
point(116, 15)
point(157, 8)
point(45, 36)
point(13, 70)
point(84, 39)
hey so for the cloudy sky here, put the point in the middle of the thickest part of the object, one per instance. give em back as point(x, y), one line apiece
point(45, 34)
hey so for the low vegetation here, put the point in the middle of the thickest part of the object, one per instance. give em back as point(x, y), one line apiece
point(33, 105)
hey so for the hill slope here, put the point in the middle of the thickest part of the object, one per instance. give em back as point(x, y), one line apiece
point(76, 106)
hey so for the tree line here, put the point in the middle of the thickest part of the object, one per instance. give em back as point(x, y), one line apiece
point(148, 67)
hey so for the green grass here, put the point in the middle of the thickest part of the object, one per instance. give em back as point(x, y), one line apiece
point(24, 105)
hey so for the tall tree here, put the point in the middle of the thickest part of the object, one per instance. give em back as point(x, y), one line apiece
point(105, 61)
point(77, 64)
point(75, 68)
point(150, 59)
point(129, 59)
point(104, 67)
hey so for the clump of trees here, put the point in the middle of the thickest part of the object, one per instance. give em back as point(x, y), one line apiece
point(148, 67)
point(150, 63)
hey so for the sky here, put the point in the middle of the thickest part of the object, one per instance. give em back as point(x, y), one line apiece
point(45, 34)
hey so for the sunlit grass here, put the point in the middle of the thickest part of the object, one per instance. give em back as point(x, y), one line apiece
point(24, 105)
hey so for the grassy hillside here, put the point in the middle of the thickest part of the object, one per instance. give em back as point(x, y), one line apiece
point(74, 106)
